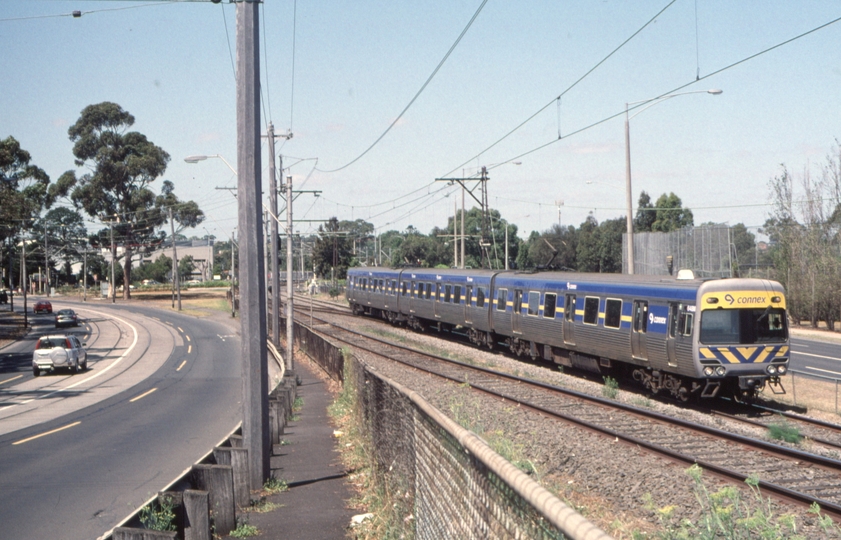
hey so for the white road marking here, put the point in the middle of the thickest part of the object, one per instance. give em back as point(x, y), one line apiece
point(818, 356)
point(824, 370)
point(181, 366)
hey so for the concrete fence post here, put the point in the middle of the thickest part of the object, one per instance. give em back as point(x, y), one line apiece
point(218, 481)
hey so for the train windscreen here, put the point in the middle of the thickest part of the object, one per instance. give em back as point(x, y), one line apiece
point(743, 326)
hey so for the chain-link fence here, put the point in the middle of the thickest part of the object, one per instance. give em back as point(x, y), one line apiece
point(706, 250)
point(443, 476)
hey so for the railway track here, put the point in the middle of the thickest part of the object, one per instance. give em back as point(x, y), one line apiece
point(787, 473)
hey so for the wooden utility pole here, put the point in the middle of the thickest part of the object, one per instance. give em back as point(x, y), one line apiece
point(255, 381)
point(176, 279)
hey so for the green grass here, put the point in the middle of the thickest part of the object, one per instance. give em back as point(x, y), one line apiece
point(275, 485)
point(244, 530)
point(610, 388)
point(783, 431)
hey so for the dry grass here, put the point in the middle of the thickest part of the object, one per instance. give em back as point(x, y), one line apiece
point(815, 394)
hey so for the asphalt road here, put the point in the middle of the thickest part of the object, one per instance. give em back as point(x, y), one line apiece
point(79, 453)
point(818, 358)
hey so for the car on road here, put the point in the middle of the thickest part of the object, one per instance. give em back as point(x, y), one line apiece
point(60, 351)
point(66, 317)
point(43, 306)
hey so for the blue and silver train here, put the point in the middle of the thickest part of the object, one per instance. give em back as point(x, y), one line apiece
point(690, 338)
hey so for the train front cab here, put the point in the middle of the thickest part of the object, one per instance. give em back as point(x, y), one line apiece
point(742, 341)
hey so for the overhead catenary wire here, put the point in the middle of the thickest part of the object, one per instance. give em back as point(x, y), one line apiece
point(417, 95)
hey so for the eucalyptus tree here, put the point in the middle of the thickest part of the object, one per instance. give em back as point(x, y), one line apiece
point(121, 167)
point(63, 234)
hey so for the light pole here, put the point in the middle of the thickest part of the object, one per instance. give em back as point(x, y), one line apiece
point(628, 194)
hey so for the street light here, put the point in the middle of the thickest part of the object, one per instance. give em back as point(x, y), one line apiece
point(196, 159)
point(630, 218)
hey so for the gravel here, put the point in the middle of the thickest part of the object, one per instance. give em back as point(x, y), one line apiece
point(620, 487)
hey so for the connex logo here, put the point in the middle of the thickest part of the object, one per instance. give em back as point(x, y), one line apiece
point(656, 320)
point(730, 299)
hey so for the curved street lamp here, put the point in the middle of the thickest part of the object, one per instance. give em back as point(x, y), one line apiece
point(196, 159)
point(628, 197)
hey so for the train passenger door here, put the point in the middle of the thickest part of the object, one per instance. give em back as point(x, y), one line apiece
point(468, 311)
point(412, 292)
point(517, 315)
point(569, 319)
point(639, 328)
point(671, 354)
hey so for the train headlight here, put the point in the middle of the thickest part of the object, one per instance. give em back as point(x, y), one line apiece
point(720, 371)
point(781, 370)
point(772, 370)
point(708, 371)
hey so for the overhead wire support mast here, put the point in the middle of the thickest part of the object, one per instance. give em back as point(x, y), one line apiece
point(482, 182)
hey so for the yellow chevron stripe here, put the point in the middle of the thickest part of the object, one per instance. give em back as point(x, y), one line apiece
point(763, 355)
point(708, 354)
point(728, 355)
point(746, 352)
point(783, 350)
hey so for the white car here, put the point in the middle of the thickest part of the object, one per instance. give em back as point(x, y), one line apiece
point(59, 351)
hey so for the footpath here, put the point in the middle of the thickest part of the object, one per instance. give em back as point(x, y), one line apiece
point(315, 507)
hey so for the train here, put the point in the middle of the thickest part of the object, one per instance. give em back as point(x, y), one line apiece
point(682, 336)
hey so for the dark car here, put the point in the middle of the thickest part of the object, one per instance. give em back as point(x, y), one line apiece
point(43, 306)
point(66, 317)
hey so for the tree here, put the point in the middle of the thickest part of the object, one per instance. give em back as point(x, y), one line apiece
point(122, 166)
point(645, 214)
point(65, 233)
point(670, 214)
point(333, 250)
point(185, 267)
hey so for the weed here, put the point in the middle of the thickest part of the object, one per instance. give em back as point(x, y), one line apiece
point(642, 401)
point(262, 505)
point(159, 515)
point(724, 514)
point(782, 430)
point(610, 388)
point(284, 442)
point(298, 405)
point(244, 530)
point(275, 485)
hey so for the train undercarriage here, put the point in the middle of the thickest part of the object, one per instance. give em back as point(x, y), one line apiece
point(658, 382)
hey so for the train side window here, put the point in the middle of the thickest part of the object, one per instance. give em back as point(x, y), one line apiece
point(518, 301)
point(448, 289)
point(405, 287)
point(549, 306)
point(381, 283)
point(428, 291)
point(569, 307)
point(612, 313)
point(684, 322)
point(591, 310)
point(438, 294)
point(534, 303)
point(480, 297)
point(420, 290)
point(394, 287)
point(501, 299)
point(457, 294)
point(364, 284)
point(640, 316)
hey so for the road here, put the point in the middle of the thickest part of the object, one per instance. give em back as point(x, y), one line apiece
point(80, 452)
point(811, 356)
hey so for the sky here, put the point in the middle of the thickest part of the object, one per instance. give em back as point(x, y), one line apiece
point(335, 75)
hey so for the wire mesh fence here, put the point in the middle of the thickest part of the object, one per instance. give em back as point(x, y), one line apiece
point(706, 250)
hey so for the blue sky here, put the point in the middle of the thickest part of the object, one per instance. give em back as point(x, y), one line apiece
point(358, 64)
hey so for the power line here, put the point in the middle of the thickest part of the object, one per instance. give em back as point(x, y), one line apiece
point(673, 90)
point(417, 95)
point(570, 87)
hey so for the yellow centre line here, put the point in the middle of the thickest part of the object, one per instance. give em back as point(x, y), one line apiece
point(141, 396)
point(181, 366)
point(13, 378)
point(47, 433)
point(180, 330)
point(186, 336)
point(189, 349)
